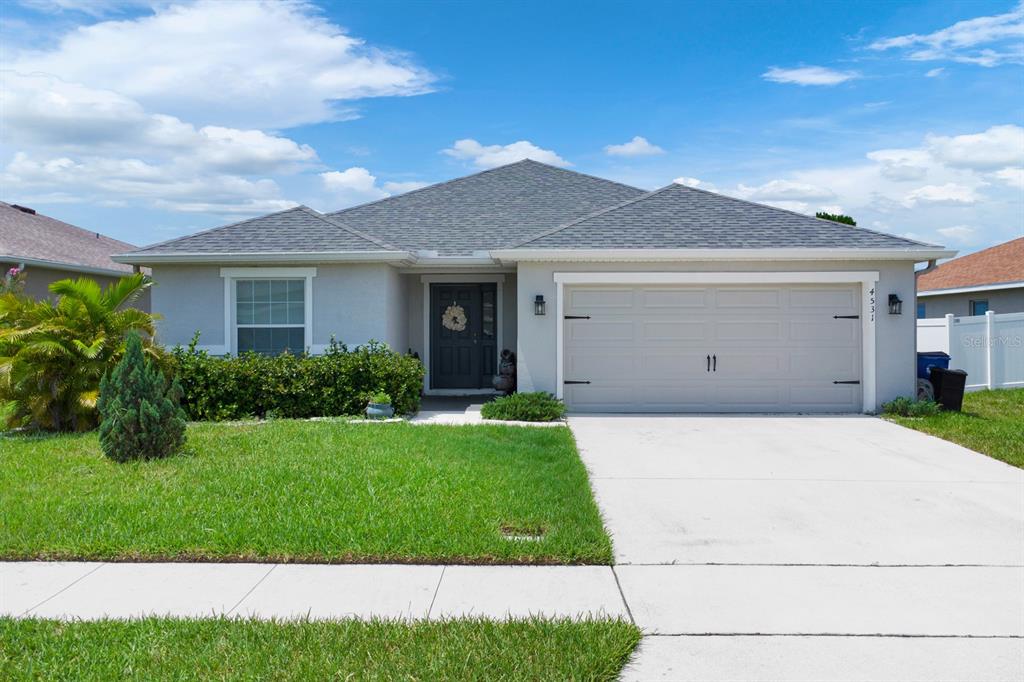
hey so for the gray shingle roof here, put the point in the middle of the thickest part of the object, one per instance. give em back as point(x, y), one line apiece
point(488, 210)
point(38, 237)
point(295, 230)
point(680, 217)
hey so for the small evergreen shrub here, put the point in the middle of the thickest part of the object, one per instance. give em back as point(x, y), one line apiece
point(908, 407)
point(380, 398)
point(338, 383)
point(139, 413)
point(525, 407)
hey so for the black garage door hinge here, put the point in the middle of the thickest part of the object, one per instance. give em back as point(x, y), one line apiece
point(577, 317)
point(845, 382)
point(575, 382)
point(846, 317)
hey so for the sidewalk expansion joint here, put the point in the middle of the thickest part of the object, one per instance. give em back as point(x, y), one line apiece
point(436, 590)
point(62, 590)
point(629, 611)
point(251, 590)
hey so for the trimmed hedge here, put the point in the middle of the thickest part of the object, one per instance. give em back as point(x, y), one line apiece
point(524, 407)
point(337, 383)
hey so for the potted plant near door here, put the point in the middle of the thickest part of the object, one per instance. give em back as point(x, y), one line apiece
point(380, 406)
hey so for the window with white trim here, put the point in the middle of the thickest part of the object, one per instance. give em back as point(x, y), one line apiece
point(270, 315)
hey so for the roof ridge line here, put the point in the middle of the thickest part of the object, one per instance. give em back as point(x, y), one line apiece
point(218, 227)
point(802, 215)
point(475, 174)
point(330, 220)
point(576, 221)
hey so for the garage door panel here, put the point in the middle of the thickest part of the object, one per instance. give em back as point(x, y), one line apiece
point(601, 299)
point(671, 299)
point(778, 349)
point(824, 299)
point(758, 298)
point(680, 330)
point(602, 331)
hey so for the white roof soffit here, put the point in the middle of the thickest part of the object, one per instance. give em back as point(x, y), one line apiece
point(58, 265)
point(654, 255)
point(397, 257)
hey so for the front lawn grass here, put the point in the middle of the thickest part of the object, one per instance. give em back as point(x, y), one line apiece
point(992, 422)
point(223, 649)
point(308, 491)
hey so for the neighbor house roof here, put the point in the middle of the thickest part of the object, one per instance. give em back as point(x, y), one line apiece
point(487, 210)
point(35, 239)
point(527, 206)
point(998, 265)
point(294, 231)
point(681, 217)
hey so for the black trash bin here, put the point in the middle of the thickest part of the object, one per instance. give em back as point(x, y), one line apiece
point(949, 387)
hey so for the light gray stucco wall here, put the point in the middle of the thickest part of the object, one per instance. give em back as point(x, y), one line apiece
point(353, 302)
point(895, 335)
point(999, 301)
point(38, 280)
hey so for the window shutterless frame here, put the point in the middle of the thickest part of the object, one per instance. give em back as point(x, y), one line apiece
point(232, 324)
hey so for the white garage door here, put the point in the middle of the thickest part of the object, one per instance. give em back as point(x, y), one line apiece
point(786, 348)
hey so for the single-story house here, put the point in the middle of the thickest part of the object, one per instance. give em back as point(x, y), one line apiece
point(992, 279)
point(47, 250)
point(614, 298)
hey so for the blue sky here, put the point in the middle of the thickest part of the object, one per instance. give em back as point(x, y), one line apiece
point(146, 120)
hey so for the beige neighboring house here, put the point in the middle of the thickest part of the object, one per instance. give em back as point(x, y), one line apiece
point(48, 250)
point(992, 279)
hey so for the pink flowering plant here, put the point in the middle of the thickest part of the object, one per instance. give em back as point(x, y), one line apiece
point(13, 281)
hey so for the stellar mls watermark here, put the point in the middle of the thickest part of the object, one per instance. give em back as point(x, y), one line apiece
point(982, 341)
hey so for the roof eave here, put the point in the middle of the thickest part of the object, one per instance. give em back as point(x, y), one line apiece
point(971, 289)
point(59, 265)
point(658, 255)
point(398, 257)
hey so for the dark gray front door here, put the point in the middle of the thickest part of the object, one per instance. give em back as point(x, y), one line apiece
point(463, 358)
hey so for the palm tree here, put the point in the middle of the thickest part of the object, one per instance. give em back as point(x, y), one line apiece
point(53, 355)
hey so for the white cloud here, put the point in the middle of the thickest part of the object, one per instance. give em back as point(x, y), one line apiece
point(170, 186)
point(902, 164)
point(949, 193)
point(352, 186)
point(986, 41)
point(494, 155)
point(996, 147)
point(809, 75)
point(638, 146)
point(959, 233)
point(695, 182)
point(1014, 177)
point(253, 64)
point(785, 191)
point(403, 187)
point(932, 73)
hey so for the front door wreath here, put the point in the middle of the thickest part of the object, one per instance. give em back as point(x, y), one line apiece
point(454, 318)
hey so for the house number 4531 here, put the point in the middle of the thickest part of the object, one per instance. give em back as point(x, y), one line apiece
point(871, 300)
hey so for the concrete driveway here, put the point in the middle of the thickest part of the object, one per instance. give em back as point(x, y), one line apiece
point(810, 548)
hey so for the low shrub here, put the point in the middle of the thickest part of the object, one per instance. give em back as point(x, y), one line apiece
point(138, 408)
point(908, 407)
point(339, 382)
point(525, 407)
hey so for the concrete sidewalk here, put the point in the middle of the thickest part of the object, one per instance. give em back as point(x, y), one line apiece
point(121, 590)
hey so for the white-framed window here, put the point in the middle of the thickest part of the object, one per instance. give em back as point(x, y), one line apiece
point(268, 310)
point(270, 315)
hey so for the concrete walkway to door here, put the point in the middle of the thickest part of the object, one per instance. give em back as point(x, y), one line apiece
point(810, 548)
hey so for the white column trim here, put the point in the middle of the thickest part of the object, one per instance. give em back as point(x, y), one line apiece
point(867, 279)
point(427, 280)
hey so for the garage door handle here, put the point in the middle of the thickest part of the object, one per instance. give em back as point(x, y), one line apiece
point(845, 382)
point(714, 363)
point(709, 363)
point(575, 382)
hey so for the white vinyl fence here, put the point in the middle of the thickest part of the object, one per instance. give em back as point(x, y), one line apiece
point(989, 347)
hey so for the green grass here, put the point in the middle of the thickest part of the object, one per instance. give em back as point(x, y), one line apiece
point(322, 491)
point(221, 649)
point(992, 422)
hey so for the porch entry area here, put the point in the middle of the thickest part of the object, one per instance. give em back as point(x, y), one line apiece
point(463, 327)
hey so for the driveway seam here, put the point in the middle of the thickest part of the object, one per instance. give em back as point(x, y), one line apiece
point(629, 611)
point(62, 590)
point(436, 590)
point(251, 590)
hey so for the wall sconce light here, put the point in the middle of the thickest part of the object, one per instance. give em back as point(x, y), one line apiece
point(895, 305)
point(539, 305)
